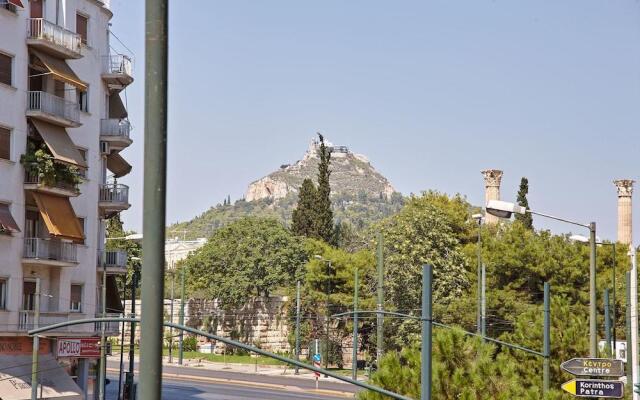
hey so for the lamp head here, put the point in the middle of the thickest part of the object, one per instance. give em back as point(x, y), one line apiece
point(504, 209)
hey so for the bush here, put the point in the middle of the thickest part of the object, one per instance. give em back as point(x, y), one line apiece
point(190, 343)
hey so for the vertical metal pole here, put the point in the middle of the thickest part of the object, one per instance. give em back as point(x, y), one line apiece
point(326, 344)
point(103, 336)
point(607, 322)
point(154, 205)
point(181, 320)
point(427, 315)
point(124, 298)
point(634, 318)
point(547, 340)
point(628, 332)
point(132, 334)
point(479, 303)
point(593, 328)
point(613, 309)
point(297, 326)
point(173, 281)
point(483, 315)
point(36, 343)
point(380, 301)
point(354, 360)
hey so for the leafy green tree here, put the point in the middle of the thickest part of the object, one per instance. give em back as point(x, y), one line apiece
point(249, 257)
point(463, 368)
point(525, 219)
point(304, 215)
point(324, 213)
point(115, 241)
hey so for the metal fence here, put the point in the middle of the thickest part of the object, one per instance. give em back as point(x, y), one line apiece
point(50, 249)
point(114, 193)
point(53, 105)
point(39, 28)
point(115, 127)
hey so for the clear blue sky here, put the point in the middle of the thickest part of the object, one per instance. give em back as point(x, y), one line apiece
point(432, 91)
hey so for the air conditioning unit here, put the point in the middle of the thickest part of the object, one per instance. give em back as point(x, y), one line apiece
point(104, 148)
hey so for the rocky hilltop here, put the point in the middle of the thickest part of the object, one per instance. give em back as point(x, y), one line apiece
point(360, 195)
point(350, 174)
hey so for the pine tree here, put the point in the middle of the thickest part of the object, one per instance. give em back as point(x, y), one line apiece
point(525, 219)
point(304, 216)
point(324, 214)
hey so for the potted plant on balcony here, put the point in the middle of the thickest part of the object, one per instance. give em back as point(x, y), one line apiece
point(39, 161)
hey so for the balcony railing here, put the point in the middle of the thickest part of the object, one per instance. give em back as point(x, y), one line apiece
point(109, 327)
point(114, 193)
point(53, 105)
point(113, 259)
point(26, 320)
point(39, 28)
point(50, 249)
point(115, 127)
point(117, 64)
point(32, 177)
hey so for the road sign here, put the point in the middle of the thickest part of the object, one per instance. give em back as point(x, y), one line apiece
point(317, 357)
point(595, 388)
point(602, 367)
point(316, 363)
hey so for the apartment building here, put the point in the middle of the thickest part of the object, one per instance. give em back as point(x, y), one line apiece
point(63, 125)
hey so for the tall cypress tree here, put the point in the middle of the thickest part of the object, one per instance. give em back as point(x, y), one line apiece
point(324, 214)
point(525, 219)
point(304, 215)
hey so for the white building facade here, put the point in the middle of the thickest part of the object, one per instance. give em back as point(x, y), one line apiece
point(62, 127)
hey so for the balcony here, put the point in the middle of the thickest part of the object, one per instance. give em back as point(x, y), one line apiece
point(26, 320)
point(117, 71)
point(110, 328)
point(33, 181)
point(53, 39)
point(116, 132)
point(51, 252)
point(53, 109)
point(115, 261)
point(114, 197)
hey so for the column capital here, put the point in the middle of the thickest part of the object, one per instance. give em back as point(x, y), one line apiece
point(492, 177)
point(625, 187)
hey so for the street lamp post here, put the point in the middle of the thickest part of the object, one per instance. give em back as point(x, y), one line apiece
point(503, 209)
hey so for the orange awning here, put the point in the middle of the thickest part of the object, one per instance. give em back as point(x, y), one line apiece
point(60, 69)
point(59, 143)
point(16, 3)
point(57, 213)
point(7, 222)
point(118, 165)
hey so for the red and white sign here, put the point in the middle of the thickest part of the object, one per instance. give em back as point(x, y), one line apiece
point(79, 347)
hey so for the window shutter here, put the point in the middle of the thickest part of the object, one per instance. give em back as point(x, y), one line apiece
point(5, 69)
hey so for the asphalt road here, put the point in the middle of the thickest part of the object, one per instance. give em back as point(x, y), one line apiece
point(185, 390)
point(288, 380)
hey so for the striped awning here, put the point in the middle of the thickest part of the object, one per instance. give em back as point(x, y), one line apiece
point(59, 69)
point(59, 217)
point(7, 223)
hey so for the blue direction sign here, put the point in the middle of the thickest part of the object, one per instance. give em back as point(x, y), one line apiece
point(317, 358)
point(595, 388)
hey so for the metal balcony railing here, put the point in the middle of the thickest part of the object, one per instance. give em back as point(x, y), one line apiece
point(112, 259)
point(117, 64)
point(32, 177)
point(26, 320)
point(50, 249)
point(114, 193)
point(53, 105)
point(109, 327)
point(115, 127)
point(39, 28)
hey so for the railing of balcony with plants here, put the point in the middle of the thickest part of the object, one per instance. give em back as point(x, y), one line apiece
point(41, 168)
point(114, 193)
point(117, 64)
point(50, 249)
point(115, 127)
point(40, 28)
point(53, 105)
point(35, 175)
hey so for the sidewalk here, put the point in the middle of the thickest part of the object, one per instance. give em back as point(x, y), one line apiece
point(266, 370)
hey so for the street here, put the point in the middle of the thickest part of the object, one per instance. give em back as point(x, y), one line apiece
point(185, 390)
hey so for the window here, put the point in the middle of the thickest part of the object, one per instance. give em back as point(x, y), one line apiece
point(28, 295)
point(3, 294)
point(59, 89)
point(75, 304)
point(81, 171)
point(5, 143)
point(6, 67)
point(81, 27)
point(83, 100)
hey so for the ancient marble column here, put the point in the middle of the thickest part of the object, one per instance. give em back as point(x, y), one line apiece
point(625, 220)
point(492, 179)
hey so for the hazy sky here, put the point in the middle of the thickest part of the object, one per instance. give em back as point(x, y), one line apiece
point(431, 91)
